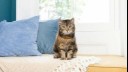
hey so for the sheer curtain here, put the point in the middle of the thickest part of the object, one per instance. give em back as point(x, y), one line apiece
point(66, 9)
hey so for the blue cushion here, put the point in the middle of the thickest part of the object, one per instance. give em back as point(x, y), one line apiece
point(46, 36)
point(18, 38)
point(1, 23)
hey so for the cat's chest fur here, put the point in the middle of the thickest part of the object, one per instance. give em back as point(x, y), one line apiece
point(65, 40)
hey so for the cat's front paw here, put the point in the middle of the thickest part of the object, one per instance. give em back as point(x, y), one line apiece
point(74, 56)
point(63, 58)
point(69, 58)
point(56, 56)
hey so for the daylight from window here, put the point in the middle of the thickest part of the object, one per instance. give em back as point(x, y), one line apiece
point(84, 11)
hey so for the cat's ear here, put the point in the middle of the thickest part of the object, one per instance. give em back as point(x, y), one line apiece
point(72, 20)
point(60, 21)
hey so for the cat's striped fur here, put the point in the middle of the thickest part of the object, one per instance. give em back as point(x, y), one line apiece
point(65, 46)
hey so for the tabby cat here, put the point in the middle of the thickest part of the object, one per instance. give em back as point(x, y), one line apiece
point(65, 45)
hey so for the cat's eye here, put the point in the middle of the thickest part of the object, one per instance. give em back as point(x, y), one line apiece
point(63, 26)
point(70, 26)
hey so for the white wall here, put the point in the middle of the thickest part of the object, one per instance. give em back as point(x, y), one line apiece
point(26, 8)
point(123, 26)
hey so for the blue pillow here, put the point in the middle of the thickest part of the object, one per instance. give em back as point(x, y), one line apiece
point(18, 38)
point(2, 22)
point(46, 36)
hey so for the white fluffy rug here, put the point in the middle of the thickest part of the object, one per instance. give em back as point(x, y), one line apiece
point(78, 64)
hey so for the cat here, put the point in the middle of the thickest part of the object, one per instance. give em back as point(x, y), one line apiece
point(65, 46)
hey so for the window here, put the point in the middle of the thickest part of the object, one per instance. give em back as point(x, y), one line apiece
point(84, 11)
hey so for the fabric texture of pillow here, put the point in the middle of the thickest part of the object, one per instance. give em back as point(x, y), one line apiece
point(46, 36)
point(18, 38)
point(2, 22)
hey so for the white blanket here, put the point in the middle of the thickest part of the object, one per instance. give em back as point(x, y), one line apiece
point(45, 63)
point(79, 64)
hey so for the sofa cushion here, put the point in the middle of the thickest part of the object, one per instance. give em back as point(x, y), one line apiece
point(18, 38)
point(2, 22)
point(46, 36)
